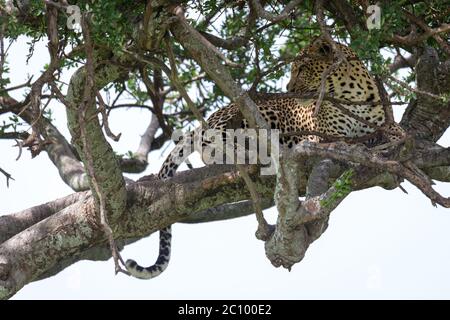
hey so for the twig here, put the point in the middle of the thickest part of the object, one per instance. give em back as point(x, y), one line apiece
point(14, 135)
point(20, 86)
point(130, 105)
point(389, 116)
point(299, 95)
point(59, 94)
point(264, 230)
point(359, 154)
point(286, 13)
point(330, 138)
point(19, 144)
point(412, 39)
point(88, 99)
point(406, 86)
point(7, 175)
point(145, 145)
point(260, 75)
point(102, 110)
point(338, 56)
point(176, 82)
point(431, 32)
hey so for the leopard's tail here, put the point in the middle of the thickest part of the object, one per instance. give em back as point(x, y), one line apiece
point(181, 151)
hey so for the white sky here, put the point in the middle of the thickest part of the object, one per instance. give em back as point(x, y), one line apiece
point(380, 244)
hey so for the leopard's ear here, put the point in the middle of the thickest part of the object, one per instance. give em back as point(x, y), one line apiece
point(325, 49)
point(321, 47)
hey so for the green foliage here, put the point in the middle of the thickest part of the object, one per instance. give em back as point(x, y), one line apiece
point(342, 186)
point(34, 28)
point(114, 27)
point(12, 124)
point(133, 84)
point(4, 79)
point(111, 21)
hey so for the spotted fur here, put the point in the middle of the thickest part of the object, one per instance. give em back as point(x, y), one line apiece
point(350, 82)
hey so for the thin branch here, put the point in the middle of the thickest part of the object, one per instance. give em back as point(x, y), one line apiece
point(260, 75)
point(185, 83)
point(230, 44)
point(413, 39)
point(14, 135)
point(286, 13)
point(176, 82)
point(7, 175)
point(307, 96)
point(406, 86)
point(358, 154)
point(338, 55)
point(20, 86)
point(102, 110)
point(48, 75)
point(194, 43)
point(387, 107)
point(129, 105)
point(138, 162)
point(444, 28)
point(264, 229)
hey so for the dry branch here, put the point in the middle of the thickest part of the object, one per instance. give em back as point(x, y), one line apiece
point(7, 175)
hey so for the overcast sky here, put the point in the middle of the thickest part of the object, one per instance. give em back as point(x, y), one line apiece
point(379, 244)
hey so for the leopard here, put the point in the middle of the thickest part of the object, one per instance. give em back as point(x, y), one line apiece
point(349, 82)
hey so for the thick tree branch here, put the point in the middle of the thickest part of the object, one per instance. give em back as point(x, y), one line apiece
point(429, 118)
point(319, 180)
point(104, 161)
point(200, 49)
point(229, 44)
point(401, 62)
point(15, 223)
point(150, 207)
point(41, 241)
point(154, 204)
point(227, 211)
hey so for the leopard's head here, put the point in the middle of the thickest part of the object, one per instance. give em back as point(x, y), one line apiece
point(350, 81)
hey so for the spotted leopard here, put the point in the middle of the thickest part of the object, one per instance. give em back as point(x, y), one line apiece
point(351, 82)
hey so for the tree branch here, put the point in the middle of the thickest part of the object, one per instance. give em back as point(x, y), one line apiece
point(7, 175)
point(58, 149)
point(153, 204)
point(15, 223)
point(285, 13)
point(428, 117)
point(200, 49)
point(105, 163)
